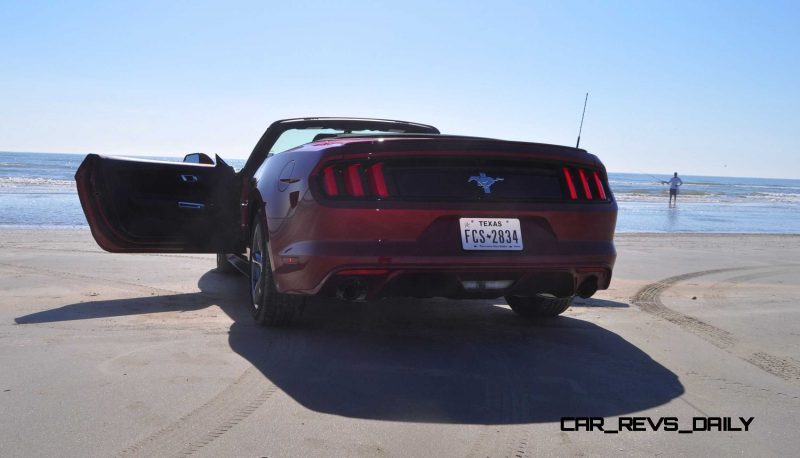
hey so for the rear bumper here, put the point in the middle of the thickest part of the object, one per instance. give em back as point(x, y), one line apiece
point(468, 282)
point(566, 253)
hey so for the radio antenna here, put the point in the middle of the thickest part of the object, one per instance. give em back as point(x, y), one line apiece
point(580, 129)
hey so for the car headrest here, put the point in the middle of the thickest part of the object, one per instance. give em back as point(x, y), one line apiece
point(319, 137)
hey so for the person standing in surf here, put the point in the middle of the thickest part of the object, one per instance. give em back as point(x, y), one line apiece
point(674, 183)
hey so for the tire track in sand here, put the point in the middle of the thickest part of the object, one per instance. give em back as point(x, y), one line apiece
point(119, 284)
point(202, 425)
point(718, 290)
point(211, 420)
point(649, 300)
point(26, 248)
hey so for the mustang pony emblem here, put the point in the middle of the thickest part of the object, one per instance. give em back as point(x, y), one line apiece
point(484, 182)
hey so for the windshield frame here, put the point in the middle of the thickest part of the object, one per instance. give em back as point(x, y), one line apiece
point(264, 146)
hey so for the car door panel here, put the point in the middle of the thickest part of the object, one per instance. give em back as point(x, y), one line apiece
point(150, 206)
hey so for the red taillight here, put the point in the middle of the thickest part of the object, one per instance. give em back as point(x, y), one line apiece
point(586, 176)
point(572, 194)
point(352, 182)
point(344, 180)
point(586, 191)
point(377, 181)
point(599, 184)
point(329, 181)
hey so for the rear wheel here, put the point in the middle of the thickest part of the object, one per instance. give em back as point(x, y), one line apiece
point(538, 306)
point(270, 307)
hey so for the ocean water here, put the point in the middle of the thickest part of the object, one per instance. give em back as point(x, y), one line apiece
point(38, 190)
point(707, 204)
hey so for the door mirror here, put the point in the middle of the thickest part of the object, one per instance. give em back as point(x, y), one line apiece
point(198, 158)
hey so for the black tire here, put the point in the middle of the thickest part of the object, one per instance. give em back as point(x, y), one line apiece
point(223, 266)
point(538, 306)
point(269, 307)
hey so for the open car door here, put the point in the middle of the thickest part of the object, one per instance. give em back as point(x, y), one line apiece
point(140, 206)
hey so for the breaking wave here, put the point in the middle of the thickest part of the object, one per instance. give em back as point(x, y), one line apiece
point(22, 182)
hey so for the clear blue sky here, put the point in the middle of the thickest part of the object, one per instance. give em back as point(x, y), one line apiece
point(709, 88)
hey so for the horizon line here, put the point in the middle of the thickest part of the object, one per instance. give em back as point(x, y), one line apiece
point(180, 155)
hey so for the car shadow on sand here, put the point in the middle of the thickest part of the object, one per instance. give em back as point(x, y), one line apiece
point(442, 361)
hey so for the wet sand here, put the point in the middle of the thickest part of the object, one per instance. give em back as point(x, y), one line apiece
point(152, 355)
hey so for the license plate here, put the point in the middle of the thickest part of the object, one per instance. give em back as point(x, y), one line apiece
point(490, 234)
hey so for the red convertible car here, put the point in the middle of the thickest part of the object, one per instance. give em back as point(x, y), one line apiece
point(366, 208)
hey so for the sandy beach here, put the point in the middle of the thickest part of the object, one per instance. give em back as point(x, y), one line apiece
point(154, 355)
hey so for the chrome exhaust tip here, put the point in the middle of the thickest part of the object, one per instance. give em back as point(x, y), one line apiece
point(588, 288)
point(351, 290)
